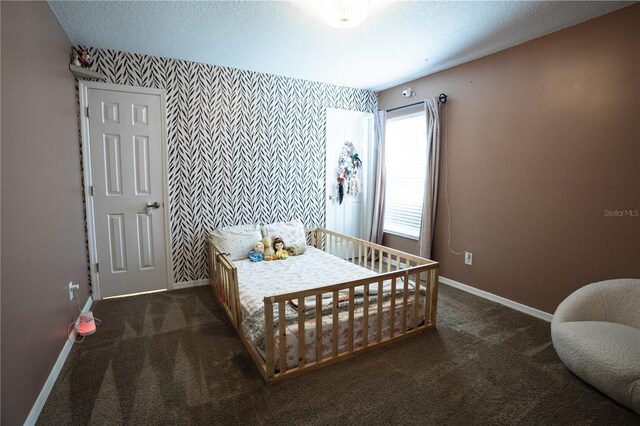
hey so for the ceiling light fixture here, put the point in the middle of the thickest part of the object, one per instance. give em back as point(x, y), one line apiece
point(344, 13)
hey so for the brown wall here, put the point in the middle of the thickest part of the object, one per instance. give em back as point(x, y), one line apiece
point(543, 138)
point(400, 243)
point(42, 220)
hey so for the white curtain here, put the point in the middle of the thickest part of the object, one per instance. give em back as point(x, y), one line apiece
point(378, 181)
point(427, 225)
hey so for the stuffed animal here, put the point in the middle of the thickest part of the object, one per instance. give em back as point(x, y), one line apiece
point(256, 255)
point(84, 57)
point(281, 251)
point(296, 249)
point(268, 251)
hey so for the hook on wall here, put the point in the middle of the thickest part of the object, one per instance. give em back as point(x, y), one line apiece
point(442, 98)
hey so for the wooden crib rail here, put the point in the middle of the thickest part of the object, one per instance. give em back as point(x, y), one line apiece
point(425, 275)
point(362, 252)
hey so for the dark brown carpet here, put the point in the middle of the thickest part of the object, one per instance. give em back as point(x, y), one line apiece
point(173, 358)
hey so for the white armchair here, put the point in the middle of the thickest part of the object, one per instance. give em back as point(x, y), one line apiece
point(596, 333)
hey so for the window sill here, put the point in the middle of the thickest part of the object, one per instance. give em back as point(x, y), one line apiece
point(399, 234)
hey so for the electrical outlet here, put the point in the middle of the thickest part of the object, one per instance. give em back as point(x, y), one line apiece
point(468, 258)
point(72, 288)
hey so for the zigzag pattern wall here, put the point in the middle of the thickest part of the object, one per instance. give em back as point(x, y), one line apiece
point(244, 147)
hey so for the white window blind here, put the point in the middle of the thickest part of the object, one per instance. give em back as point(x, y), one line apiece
point(406, 166)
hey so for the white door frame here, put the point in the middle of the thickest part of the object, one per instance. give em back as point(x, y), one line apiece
point(83, 91)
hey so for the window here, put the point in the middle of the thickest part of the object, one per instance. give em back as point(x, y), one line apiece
point(406, 166)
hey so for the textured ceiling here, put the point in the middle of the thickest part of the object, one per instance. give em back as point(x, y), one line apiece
point(290, 39)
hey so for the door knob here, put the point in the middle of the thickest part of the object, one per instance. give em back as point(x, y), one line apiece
point(150, 207)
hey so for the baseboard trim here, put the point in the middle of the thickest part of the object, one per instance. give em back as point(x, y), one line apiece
point(187, 284)
point(498, 299)
point(55, 371)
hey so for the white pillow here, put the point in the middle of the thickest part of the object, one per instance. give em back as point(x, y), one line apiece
point(237, 240)
point(291, 232)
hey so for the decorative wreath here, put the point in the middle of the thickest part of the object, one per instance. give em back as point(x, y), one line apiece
point(349, 164)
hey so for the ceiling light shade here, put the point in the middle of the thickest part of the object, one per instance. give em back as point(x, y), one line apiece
point(344, 13)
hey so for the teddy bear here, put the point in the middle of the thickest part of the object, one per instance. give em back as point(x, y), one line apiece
point(281, 251)
point(256, 254)
point(268, 251)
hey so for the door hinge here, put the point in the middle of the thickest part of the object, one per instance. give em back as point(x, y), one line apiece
point(87, 111)
point(91, 190)
point(97, 268)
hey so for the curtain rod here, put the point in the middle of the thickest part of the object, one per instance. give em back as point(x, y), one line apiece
point(405, 106)
point(442, 98)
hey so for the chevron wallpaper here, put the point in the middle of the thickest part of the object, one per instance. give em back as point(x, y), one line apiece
point(244, 147)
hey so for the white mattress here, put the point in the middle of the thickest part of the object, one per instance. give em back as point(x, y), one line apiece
point(314, 268)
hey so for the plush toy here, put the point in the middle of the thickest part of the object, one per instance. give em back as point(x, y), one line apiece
point(296, 249)
point(281, 251)
point(268, 251)
point(84, 57)
point(256, 255)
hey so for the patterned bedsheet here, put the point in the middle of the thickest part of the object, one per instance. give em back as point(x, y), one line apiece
point(313, 269)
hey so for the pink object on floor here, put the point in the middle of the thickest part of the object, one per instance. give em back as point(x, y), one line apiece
point(86, 325)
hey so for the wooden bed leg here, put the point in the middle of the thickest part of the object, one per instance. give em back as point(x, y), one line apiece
point(433, 298)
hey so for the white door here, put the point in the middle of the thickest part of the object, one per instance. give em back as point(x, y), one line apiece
point(357, 127)
point(127, 163)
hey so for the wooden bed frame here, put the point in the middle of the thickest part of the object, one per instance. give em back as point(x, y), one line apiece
point(391, 265)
